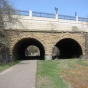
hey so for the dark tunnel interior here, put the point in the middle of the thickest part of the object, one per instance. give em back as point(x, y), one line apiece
point(68, 48)
point(20, 47)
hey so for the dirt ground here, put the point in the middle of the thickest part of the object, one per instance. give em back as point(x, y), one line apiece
point(77, 77)
point(70, 73)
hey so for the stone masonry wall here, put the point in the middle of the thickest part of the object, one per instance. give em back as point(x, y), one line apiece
point(86, 45)
point(47, 39)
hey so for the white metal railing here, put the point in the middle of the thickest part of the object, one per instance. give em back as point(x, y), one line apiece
point(50, 15)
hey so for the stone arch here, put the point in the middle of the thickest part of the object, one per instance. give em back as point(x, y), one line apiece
point(19, 48)
point(69, 48)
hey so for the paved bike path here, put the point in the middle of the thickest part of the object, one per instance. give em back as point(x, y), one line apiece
point(22, 75)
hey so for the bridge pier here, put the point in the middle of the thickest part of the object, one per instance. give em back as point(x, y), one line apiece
point(48, 57)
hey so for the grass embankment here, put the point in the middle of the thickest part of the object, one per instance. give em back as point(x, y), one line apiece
point(71, 73)
point(3, 67)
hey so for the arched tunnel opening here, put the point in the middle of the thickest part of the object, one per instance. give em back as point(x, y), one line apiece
point(32, 50)
point(20, 49)
point(67, 48)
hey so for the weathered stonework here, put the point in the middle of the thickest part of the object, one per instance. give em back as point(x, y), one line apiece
point(86, 45)
point(47, 39)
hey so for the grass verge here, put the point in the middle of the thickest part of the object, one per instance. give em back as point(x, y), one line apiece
point(72, 73)
point(3, 67)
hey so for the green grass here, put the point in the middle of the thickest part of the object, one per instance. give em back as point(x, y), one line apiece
point(50, 73)
point(3, 67)
point(82, 62)
point(47, 75)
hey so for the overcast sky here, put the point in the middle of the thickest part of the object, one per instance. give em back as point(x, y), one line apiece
point(65, 7)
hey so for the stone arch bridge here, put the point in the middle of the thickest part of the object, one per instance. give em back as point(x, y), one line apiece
point(70, 44)
point(46, 33)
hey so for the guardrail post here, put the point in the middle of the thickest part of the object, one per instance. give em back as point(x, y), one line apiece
point(76, 18)
point(30, 14)
point(56, 16)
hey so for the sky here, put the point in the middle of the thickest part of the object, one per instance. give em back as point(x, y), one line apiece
point(65, 7)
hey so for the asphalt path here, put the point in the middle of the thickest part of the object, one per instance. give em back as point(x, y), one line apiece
point(21, 75)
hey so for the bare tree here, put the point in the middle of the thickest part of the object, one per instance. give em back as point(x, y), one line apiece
point(6, 16)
